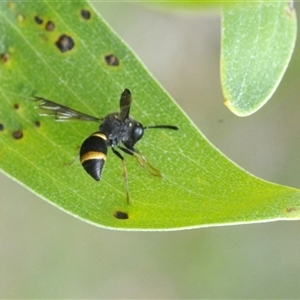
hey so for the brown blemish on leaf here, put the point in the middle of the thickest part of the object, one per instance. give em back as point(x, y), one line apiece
point(16, 106)
point(1, 127)
point(65, 43)
point(38, 20)
point(50, 26)
point(112, 60)
point(291, 209)
point(17, 134)
point(121, 215)
point(85, 14)
point(4, 57)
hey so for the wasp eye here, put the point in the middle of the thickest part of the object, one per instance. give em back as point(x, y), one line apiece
point(138, 132)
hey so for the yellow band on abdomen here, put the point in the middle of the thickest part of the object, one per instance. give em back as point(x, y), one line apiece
point(92, 155)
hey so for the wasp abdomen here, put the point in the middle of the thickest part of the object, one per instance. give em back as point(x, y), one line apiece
point(93, 154)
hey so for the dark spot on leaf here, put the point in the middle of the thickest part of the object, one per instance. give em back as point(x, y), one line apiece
point(50, 26)
point(4, 57)
point(121, 215)
point(17, 134)
point(112, 60)
point(64, 43)
point(1, 127)
point(16, 106)
point(85, 14)
point(38, 20)
point(37, 124)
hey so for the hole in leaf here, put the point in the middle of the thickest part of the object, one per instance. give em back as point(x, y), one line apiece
point(1, 127)
point(4, 57)
point(85, 14)
point(121, 215)
point(64, 43)
point(16, 106)
point(17, 134)
point(112, 60)
point(50, 26)
point(38, 20)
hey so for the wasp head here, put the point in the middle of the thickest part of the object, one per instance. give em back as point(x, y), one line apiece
point(135, 133)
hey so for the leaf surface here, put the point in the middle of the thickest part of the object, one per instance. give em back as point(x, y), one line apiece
point(66, 53)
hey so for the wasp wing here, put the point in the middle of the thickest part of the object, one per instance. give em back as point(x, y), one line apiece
point(61, 112)
point(125, 103)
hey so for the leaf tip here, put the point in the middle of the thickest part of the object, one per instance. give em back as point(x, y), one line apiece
point(238, 110)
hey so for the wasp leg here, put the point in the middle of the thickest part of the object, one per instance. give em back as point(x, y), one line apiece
point(141, 159)
point(71, 162)
point(124, 172)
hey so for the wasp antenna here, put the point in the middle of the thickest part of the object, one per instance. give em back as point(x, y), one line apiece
point(162, 126)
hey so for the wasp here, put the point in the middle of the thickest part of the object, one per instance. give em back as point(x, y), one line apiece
point(117, 130)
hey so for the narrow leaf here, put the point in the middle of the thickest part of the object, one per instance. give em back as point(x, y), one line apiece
point(65, 52)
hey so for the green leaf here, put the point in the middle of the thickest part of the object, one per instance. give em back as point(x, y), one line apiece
point(258, 39)
point(66, 53)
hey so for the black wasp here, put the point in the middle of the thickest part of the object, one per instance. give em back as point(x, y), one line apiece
point(116, 130)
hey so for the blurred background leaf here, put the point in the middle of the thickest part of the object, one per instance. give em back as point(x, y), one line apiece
point(62, 257)
point(258, 39)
